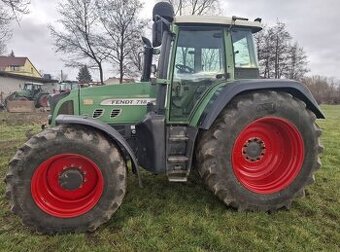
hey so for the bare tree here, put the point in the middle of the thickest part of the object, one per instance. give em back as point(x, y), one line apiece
point(80, 36)
point(297, 62)
point(281, 47)
point(195, 7)
point(17, 6)
point(9, 10)
point(136, 57)
point(5, 31)
point(325, 90)
point(123, 31)
point(273, 46)
point(278, 58)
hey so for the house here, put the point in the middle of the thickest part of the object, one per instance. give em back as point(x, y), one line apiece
point(18, 65)
point(11, 82)
point(16, 71)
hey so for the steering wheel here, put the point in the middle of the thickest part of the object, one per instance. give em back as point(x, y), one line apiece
point(184, 69)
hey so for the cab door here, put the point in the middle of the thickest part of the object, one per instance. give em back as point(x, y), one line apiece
point(199, 63)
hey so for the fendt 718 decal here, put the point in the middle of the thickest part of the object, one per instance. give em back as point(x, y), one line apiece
point(128, 102)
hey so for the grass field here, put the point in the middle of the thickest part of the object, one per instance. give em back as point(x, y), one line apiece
point(187, 217)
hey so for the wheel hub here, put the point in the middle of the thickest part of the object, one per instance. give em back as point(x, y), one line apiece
point(254, 149)
point(71, 179)
point(67, 185)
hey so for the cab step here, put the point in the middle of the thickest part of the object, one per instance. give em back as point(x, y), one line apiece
point(179, 150)
point(178, 159)
point(178, 138)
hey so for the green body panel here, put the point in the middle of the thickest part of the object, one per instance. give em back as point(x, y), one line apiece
point(128, 100)
point(203, 103)
point(73, 97)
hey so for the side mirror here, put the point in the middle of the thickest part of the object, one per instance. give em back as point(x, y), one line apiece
point(162, 16)
point(157, 32)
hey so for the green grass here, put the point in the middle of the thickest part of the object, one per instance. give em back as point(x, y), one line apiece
point(187, 217)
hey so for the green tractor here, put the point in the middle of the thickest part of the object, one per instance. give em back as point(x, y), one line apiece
point(254, 142)
point(30, 92)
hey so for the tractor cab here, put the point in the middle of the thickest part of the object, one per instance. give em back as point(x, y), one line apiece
point(67, 86)
point(197, 54)
point(32, 89)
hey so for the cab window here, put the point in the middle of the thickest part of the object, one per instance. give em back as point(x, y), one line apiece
point(244, 49)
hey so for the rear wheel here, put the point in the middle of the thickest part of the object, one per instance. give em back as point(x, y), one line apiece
point(261, 152)
point(66, 179)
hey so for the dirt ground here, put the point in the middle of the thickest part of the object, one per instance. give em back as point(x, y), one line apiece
point(23, 118)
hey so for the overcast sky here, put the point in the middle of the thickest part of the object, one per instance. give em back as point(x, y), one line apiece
point(314, 24)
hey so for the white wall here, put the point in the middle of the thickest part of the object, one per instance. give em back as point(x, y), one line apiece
point(9, 85)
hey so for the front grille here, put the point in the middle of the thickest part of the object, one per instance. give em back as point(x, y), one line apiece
point(97, 113)
point(115, 113)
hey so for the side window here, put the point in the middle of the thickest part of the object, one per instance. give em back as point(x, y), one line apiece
point(244, 49)
point(28, 87)
point(241, 52)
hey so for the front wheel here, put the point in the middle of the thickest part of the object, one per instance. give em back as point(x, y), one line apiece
point(260, 152)
point(66, 179)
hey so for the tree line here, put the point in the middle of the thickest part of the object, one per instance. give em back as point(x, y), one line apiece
point(109, 31)
point(282, 57)
point(325, 90)
point(92, 33)
point(279, 56)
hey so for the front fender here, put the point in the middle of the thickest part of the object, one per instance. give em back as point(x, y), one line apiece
point(221, 98)
point(107, 130)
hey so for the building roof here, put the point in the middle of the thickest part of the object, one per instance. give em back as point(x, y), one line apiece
point(6, 61)
point(27, 78)
point(218, 20)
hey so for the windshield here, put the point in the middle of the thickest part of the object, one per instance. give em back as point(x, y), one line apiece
point(28, 87)
point(199, 54)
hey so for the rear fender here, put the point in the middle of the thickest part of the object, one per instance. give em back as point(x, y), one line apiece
point(231, 90)
point(107, 130)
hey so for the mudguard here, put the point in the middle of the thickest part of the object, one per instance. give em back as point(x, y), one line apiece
point(106, 129)
point(223, 96)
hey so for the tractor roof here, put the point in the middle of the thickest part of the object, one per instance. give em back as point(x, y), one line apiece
point(254, 25)
point(34, 83)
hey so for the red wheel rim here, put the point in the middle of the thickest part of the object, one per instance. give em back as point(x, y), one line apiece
point(50, 194)
point(268, 155)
